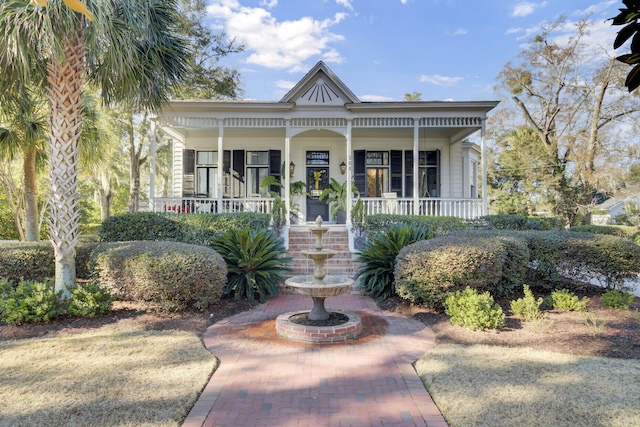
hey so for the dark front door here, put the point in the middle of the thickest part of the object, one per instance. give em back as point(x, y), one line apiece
point(317, 180)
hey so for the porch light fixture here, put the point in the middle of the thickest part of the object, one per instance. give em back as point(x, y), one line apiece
point(343, 168)
point(292, 169)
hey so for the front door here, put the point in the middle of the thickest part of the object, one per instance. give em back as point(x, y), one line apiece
point(317, 180)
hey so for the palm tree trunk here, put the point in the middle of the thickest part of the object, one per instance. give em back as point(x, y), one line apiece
point(31, 195)
point(65, 78)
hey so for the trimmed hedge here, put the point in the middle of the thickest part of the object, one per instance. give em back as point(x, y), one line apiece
point(434, 225)
point(201, 229)
point(174, 275)
point(521, 222)
point(628, 232)
point(34, 261)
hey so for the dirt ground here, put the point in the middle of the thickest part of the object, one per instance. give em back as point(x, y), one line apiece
point(564, 332)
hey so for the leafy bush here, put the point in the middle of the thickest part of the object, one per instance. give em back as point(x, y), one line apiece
point(521, 222)
point(625, 231)
point(29, 302)
point(435, 225)
point(174, 275)
point(254, 261)
point(200, 229)
point(527, 307)
point(563, 299)
point(426, 270)
point(473, 311)
point(376, 276)
point(617, 298)
point(35, 261)
point(89, 300)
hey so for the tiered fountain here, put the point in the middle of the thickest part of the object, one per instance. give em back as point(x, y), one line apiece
point(319, 286)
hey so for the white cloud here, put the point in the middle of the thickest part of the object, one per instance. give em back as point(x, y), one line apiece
point(278, 44)
point(596, 8)
point(269, 4)
point(285, 84)
point(460, 32)
point(438, 80)
point(345, 3)
point(404, 1)
point(513, 30)
point(376, 98)
point(526, 8)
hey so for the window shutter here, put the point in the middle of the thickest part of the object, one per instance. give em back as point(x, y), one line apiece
point(238, 163)
point(226, 161)
point(188, 162)
point(275, 168)
point(360, 171)
point(408, 173)
point(396, 172)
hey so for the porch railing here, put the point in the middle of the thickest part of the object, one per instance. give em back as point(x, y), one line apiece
point(203, 205)
point(461, 208)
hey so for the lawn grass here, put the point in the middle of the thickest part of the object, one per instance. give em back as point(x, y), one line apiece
point(481, 385)
point(138, 378)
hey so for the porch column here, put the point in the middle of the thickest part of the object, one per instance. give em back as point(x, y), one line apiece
point(220, 163)
point(416, 169)
point(152, 167)
point(485, 195)
point(287, 174)
point(349, 193)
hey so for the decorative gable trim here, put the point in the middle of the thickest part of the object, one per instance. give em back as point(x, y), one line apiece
point(320, 86)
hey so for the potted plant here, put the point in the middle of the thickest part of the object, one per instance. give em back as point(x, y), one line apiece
point(336, 194)
point(278, 209)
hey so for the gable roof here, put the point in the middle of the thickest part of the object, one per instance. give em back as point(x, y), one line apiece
point(320, 86)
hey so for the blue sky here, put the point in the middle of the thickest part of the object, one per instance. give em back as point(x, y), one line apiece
point(382, 49)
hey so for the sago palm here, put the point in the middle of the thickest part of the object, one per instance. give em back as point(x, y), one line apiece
point(129, 51)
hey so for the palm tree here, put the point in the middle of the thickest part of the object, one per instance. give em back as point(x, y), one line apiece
point(130, 51)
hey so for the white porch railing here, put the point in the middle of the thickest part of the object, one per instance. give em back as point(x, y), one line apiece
point(202, 205)
point(461, 208)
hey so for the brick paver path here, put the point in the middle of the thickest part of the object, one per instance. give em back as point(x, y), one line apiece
point(264, 380)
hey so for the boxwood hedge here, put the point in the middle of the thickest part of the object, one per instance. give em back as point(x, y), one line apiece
point(435, 225)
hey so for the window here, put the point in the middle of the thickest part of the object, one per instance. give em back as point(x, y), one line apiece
point(473, 178)
point(207, 158)
point(207, 174)
point(377, 173)
point(429, 173)
point(257, 170)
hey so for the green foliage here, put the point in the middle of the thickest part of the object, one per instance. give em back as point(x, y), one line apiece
point(255, 263)
point(376, 276)
point(435, 225)
point(472, 310)
point(427, 270)
point(563, 299)
point(336, 194)
point(593, 321)
point(196, 228)
point(527, 307)
point(521, 222)
point(617, 298)
point(625, 231)
point(628, 17)
point(29, 302)
point(89, 300)
point(278, 214)
point(358, 218)
point(174, 275)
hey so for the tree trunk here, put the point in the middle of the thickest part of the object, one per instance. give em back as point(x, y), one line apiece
point(106, 195)
point(65, 80)
point(31, 195)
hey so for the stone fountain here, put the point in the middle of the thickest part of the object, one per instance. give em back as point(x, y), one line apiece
point(319, 286)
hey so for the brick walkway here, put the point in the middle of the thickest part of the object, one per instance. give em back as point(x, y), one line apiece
point(264, 380)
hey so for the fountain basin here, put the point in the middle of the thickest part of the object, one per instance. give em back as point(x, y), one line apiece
point(330, 286)
point(319, 334)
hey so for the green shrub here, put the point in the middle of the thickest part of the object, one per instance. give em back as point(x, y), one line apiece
point(426, 270)
point(617, 298)
point(625, 231)
point(255, 263)
point(434, 225)
point(563, 299)
point(174, 275)
point(473, 311)
point(89, 300)
point(376, 276)
point(527, 307)
point(200, 229)
point(29, 302)
point(521, 222)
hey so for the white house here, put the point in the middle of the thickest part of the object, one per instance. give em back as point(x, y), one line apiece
point(404, 157)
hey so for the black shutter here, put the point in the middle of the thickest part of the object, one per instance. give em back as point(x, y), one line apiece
point(226, 161)
point(275, 168)
point(360, 171)
point(408, 173)
point(188, 162)
point(396, 172)
point(238, 163)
